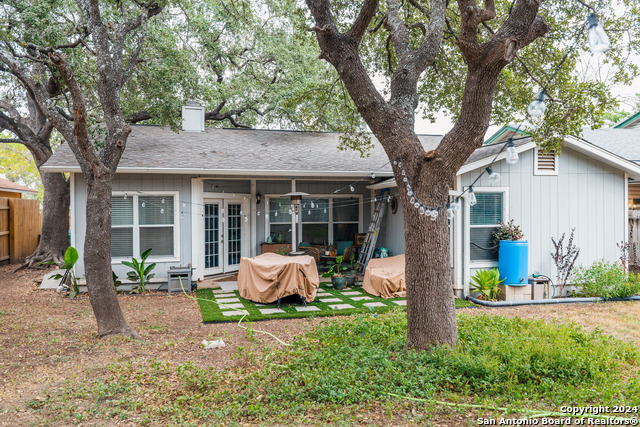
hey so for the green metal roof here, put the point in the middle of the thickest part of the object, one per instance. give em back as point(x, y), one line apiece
point(629, 120)
point(508, 128)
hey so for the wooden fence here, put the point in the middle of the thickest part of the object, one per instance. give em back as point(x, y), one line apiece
point(20, 227)
point(634, 237)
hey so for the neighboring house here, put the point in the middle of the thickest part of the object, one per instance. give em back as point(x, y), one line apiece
point(12, 190)
point(202, 196)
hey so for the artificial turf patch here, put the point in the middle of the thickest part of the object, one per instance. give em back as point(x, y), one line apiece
point(213, 312)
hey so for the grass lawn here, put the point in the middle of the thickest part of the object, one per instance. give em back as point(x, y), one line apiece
point(328, 302)
point(342, 369)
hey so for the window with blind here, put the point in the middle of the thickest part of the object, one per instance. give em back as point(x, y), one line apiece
point(484, 219)
point(141, 222)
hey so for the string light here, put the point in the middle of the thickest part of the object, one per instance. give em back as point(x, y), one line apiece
point(494, 177)
point(537, 106)
point(351, 188)
point(512, 154)
point(472, 197)
point(597, 36)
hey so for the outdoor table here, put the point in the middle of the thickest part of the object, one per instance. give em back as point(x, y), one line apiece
point(270, 277)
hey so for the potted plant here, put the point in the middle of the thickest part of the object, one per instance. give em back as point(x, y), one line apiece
point(353, 271)
point(513, 254)
point(335, 272)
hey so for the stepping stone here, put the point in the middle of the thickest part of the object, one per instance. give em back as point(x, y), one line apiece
point(48, 282)
point(322, 291)
point(220, 291)
point(226, 296)
point(271, 310)
point(232, 306)
point(307, 308)
point(330, 300)
point(340, 306)
point(351, 293)
point(227, 300)
point(375, 304)
point(235, 313)
point(402, 302)
point(364, 297)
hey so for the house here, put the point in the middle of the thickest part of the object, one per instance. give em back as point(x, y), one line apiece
point(12, 190)
point(206, 197)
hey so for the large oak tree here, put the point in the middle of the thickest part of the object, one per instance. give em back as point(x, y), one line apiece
point(451, 56)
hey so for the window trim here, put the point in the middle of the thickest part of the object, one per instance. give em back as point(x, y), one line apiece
point(136, 226)
point(505, 214)
point(544, 172)
point(267, 223)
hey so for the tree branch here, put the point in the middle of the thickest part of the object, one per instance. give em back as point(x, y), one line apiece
point(367, 12)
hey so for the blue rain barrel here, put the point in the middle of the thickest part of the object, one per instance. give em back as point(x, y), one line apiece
point(513, 262)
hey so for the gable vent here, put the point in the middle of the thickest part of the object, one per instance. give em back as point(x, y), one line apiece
point(546, 163)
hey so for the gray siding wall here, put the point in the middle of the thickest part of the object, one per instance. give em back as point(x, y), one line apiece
point(182, 184)
point(392, 230)
point(586, 194)
point(131, 183)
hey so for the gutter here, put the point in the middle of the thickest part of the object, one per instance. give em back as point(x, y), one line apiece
point(548, 301)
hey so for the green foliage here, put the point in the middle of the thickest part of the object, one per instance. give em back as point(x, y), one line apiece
point(340, 367)
point(70, 258)
point(508, 231)
point(486, 283)
point(140, 273)
point(116, 281)
point(336, 268)
point(18, 165)
point(606, 280)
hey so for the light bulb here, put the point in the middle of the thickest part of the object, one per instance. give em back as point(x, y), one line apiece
point(537, 106)
point(125, 197)
point(240, 211)
point(162, 210)
point(312, 205)
point(351, 188)
point(409, 192)
point(246, 219)
point(450, 213)
point(512, 154)
point(325, 210)
point(416, 205)
point(434, 214)
point(266, 216)
point(403, 172)
point(597, 36)
point(413, 200)
point(309, 212)
point(472, 197)
point(258, 213)
point(373, 175)
point(421, 210)
point(162, 200)
point(494, 177)
point(427, 212)
point(275, 213)
point(400, 164)
point(404, 179)
point(144, 204)
point(395, 162)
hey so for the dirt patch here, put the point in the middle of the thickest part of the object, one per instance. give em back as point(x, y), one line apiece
point(47, 339)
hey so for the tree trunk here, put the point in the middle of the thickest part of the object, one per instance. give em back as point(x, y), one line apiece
point(430, 301)
point(54, 238)
point(97, 260)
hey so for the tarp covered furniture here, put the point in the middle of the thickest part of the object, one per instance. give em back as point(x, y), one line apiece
point(384, 277)
point(269, 277)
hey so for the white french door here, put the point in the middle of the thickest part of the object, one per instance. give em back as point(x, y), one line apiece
point(226, 229)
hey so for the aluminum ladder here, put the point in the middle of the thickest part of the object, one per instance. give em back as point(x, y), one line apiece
point(369, 245)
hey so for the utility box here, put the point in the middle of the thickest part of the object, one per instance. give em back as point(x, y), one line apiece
point(175, 276)
point(540, 288)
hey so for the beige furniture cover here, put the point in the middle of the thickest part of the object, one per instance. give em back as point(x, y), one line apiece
point(384, 277)
point(269, 277)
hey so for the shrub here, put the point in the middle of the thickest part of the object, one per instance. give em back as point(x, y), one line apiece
point(486, 283)
point(508, 231)
point(606, 280)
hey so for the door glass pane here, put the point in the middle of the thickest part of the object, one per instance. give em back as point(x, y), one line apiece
point(234, 233)
point(155, 210)
point(160, 239)
point(211, 235)
point(345, 210)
